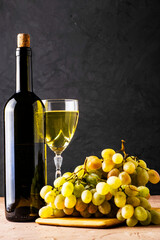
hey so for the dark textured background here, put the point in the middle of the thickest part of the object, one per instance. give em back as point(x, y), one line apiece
point(104, 53)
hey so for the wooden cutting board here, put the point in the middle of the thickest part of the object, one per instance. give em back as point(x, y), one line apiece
point(82, 222)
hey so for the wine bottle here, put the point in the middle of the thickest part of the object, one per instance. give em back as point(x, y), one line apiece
point(23, 142)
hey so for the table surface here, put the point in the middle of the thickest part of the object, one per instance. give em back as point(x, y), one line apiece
point(32, 231)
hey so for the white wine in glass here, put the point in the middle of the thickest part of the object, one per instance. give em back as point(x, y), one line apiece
point(61, 118)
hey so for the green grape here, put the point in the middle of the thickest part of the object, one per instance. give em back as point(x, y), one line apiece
point(86, 196)
point(79, 170)
point(105, 207)
point(142, 176)
point(131, 222)
point(92, 208)
point(125, 178)
point(70, 201)
point(58, 182)
point(68, 211)
point(67, 189)
point(148, 220)
point(155, 217)
point(92, 178)
point(85, 214)
point(59, 201)
point(114, 182)
point(80, 205)
point(50, 196)
point(131, 190)
point(78, 189)
point(117, 158)
point(46, 212)
point(58, 213)
point(113, 172)
point(129, 167)
point(144, 203)
point(140, 213)
point(98, 199)
point(143, 191)
point(102, 188)
point(107, 153)
point(107, 165)
point(120, 199)
point(133, 160)
point(142, 163)
point(127, 211)
point(134, 201)
point(45, 190)
point(67, 175)
point(153, 176)
point(119, 215)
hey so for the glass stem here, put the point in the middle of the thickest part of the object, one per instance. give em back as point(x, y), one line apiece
point(58, 163)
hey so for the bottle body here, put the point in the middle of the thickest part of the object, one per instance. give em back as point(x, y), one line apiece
point(24, 148)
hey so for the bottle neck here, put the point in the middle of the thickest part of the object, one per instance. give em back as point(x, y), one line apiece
point(24, 69)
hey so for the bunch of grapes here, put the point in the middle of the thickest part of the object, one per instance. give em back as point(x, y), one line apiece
point(113, 186)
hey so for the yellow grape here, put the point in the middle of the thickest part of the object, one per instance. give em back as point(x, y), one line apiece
point(80, 205)
point(59, 201)
point(113, 172)
point(120, 199)
point(92, 208)
point(68, 211)
point(58, 213)
point(67, 189)
point(86, 196)
point(79, 170)
point(125, 178)
point(119, 215)
point(107, 153)
point(108, 196)
point(129, 167)
point(105, 207)
point(153, 176)
point(85, 214)
point(127, 211)
point(134, 201)
point(46, 212)
point(142, 163)
point(98, 199)
point(58, 182)
point(50, 196)
point(70, 201)
point(67, 175)
point(131, 190)
point(102, 188)
point(94, 163)
point(45, 190)
point(117, 158)
point(133, 160)
point(114, 182)
point(107, 165)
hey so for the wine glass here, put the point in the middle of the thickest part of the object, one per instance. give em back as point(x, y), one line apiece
point(61, 118)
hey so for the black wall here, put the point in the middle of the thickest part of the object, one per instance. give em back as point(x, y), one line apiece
point(104, 53)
